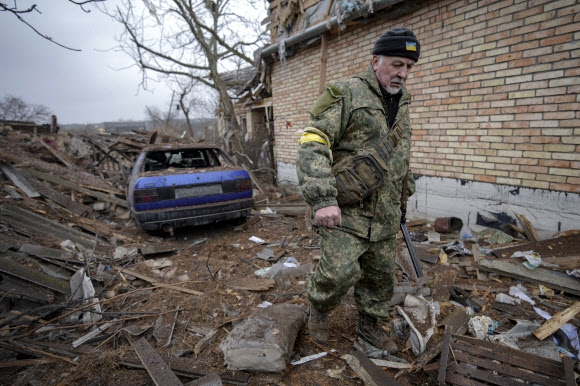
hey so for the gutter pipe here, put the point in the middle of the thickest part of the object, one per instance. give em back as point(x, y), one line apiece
point(327, 25)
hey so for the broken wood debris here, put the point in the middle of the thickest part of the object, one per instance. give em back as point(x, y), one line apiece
point(538, 276)
point(475, 360)
point(370, 373)
point(156, 367)
point(87, 208)
point(557, 320)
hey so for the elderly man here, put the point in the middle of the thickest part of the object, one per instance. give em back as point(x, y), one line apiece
point(353, 164)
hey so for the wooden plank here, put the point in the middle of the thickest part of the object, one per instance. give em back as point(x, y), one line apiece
point(443, 281)
point(59, 198)
point(538, 276)
point(125, 141)
point(563, 262)
point(529, 229)
point(155, 281)
point(19, 180)
point(252, 284)
point(73, 186)
point(81, 178)
point(156, 367)
point(11, 267)
point(476, 250)
point(34, 223)
point(569, 371)
point(557, 321)
point(152, 249)
point(40, 251)
point(370, 373)
point(444, 355)
point(493, 363)
point(26, 362)
point(510, 355)
point(492, 369)
point(477, 371)
point(191, 368)
point(93, 226)
point(59, 155)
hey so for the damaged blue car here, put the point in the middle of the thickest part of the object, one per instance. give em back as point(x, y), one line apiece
point(173, 186)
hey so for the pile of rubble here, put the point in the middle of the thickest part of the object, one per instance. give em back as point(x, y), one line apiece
point(85, 297)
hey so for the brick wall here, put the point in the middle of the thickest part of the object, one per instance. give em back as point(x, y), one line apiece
point(496, 92)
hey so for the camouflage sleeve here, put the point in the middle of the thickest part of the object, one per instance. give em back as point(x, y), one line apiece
point(411, 188)
point(314, 160)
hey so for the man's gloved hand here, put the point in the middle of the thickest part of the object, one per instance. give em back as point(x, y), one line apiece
point(328, 217)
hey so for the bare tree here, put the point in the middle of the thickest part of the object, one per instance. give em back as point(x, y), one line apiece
point(194, 103)
point(16, 109)
point(18, 10)
point(198, 41)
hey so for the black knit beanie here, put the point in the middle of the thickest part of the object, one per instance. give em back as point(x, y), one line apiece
point(398, 41)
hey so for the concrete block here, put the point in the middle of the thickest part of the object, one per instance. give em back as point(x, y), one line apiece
point(264, 341)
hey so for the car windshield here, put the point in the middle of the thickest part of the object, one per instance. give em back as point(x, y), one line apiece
point(182, 159)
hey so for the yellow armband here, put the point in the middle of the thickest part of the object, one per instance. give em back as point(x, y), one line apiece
point(312, 134)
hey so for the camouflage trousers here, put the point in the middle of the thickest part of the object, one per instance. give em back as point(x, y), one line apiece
point(348, 260)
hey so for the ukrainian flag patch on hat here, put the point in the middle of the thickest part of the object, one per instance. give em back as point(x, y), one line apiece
point(411, 46)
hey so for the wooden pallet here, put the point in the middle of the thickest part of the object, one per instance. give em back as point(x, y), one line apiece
point(467, 361)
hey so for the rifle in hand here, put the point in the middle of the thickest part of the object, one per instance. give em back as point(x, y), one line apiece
point(405, 231)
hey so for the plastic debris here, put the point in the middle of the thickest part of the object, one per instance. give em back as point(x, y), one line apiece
point(503, 298)
point(420, 315)
point(456, 246)
point(481, 327)
point(264, 304)
point(309, 358)
point(257, 240)
point(467, 234)
point(520, 292)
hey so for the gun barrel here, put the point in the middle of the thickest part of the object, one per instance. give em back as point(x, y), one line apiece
point(411, 248)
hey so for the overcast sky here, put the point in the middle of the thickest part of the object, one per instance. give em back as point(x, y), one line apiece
point(90, 86)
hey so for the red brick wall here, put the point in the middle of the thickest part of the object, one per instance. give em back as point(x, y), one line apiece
point(495, 92)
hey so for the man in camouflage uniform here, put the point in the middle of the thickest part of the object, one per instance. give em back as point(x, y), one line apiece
point(358, 241)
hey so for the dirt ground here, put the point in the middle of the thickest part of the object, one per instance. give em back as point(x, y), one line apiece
point(225, 256)
point(216, 264)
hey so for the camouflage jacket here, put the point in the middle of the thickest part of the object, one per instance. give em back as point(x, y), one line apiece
point(350, 115)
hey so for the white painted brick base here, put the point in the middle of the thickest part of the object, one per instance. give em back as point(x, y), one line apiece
point(549, 212)
point(287, 176)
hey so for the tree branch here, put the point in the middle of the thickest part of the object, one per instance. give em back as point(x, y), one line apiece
point(17, 13)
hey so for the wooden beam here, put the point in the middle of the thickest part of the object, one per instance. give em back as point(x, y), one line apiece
point(79, 177)
point(19, 180)
point(549, 278)
point(59, 155)
point(73, 186)
point(156, 367)
point(59, 198)
point(155, 281)
point(557, 321)
point(529, 229)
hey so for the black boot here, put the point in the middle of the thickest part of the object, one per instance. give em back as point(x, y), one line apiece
point(318, 325)
point(368, 328)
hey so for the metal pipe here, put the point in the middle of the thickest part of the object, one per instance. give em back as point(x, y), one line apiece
point(325, 26)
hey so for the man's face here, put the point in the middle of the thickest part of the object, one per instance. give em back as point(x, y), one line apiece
point(392, 71)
